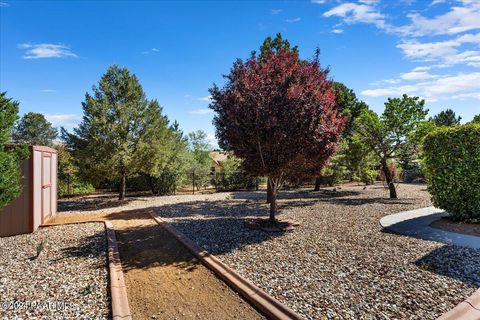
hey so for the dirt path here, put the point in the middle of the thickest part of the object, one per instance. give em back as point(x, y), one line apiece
point(163, 279)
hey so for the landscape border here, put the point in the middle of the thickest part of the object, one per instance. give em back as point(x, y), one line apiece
point(265, 303)
point(120, 307)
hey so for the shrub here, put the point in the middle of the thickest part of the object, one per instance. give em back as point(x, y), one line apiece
point(233, 177)
point(452, 169)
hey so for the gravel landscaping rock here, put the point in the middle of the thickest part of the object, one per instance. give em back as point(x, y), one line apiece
point(338, 263)
point(68, 279)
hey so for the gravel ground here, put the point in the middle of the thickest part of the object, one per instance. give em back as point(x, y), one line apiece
point(338, 263)
point(68, 280)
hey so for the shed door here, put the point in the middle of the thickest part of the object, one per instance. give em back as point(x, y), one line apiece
point(46, 185)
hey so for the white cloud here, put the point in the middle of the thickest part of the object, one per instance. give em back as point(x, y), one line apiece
point(337, 31)
point(201, 111)
point(358, 13)
point(448, 52)
point(46, 50)
point(318, 1)
point(417, 75)
point(293, 20)
point(187, 96)
point(465, 96)
point(4, 4)
point(206, 98)
point(389, 91)
point(458, 19)
point(461, 85)
point(275, 11)
point(150, 51)
point(63, 120)
point(48, 90)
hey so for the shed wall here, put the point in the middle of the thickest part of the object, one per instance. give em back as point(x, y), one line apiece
point(26, 213)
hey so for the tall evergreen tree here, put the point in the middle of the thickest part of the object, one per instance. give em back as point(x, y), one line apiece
point(446, 118)
point(10, 174)
point(116, 120)
point(34, 129)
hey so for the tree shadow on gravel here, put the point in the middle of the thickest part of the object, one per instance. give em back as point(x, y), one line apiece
point(92, 203)
point(307, 198)
point(460, 263)
point(141, 247)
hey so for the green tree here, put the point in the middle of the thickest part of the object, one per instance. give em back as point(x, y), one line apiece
point(275, 45)
point(446, 118)
point(34, 129)
point(348, 103)
point(116, 119)
point(200, 161)
point(353, 158)
point(10, 182)
point(388, 133)
point(69, 180)
point(476, 119)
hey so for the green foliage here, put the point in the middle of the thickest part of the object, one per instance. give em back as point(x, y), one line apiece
point(349, 105)
point(275, 45)
point(446, 118)
point(233, 177)
point(199, 158)
point(452, 162)
point(10, 182)
point(476, 119)
point(34, 129)
point(410, 153)
point(117, 118)
point(69, 180)
point(359, 160)
point(172, 162)
point(388, 134)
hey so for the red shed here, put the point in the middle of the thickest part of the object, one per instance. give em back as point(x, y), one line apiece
point(38, 200)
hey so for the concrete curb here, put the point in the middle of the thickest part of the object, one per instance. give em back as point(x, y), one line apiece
point(416, 223)
point(118, 291)
point(466, 310)
point(265, 303)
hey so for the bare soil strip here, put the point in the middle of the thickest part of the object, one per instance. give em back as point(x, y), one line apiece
point(163, 279)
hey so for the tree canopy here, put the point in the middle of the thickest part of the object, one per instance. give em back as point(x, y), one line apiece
point(277, 113)
point(10, 182)
point(446, 118)
point(117, 119)
point(476, 119)
point(388, 133)
point(34, 129)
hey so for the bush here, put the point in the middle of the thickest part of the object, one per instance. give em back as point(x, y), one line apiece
point(233, 177)
point(452, 169)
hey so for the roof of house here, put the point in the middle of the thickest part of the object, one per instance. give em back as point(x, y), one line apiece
point(218, 157)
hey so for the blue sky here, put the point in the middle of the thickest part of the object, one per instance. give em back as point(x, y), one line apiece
point(51, 53)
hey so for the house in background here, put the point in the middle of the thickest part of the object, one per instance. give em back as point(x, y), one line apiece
point(217, 158)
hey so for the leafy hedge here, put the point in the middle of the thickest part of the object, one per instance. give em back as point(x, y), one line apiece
point(452, 168)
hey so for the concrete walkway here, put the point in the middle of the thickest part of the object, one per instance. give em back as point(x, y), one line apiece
point(416, 223)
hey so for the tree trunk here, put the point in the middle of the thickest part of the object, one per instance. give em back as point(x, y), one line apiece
point(318, 181)
point(389, 180)
point(269, 191)
point(273, 200)
point(122, 187)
